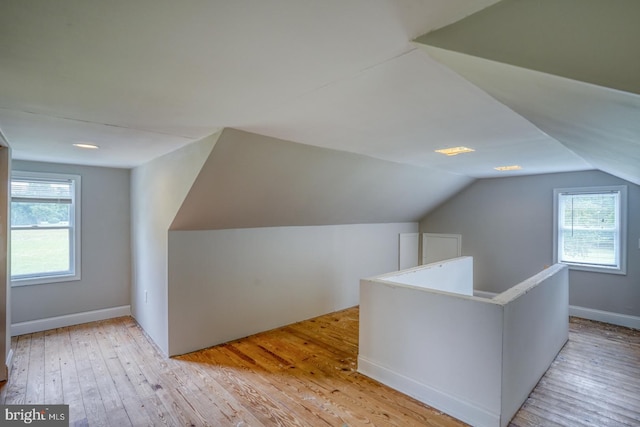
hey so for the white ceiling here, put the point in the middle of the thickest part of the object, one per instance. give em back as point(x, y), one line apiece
point(143, 78)
point(599, 124)
point(570, 67)
point(404, 109)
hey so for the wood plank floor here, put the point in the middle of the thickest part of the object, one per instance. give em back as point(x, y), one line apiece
point(594, 381)
point(300, 375)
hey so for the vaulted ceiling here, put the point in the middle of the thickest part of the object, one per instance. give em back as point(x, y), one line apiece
point(570, 67)
point(550, 85)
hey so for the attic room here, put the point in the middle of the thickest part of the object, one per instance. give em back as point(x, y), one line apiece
point(234, 169)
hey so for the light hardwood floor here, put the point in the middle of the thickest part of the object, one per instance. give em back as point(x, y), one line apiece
point(299, 375)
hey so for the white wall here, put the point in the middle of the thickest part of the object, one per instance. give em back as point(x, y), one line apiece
point(106, 255)
point(227, 284)
point(157, 191)
point(453, 275)
point(473, 358)
point(442, 349)
point(253, 181)
point(535, 328)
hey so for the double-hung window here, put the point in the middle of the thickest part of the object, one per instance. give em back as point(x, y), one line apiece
point(589, 228)
point(45, 228)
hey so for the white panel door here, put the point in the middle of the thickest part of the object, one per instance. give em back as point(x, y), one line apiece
point(438, 247)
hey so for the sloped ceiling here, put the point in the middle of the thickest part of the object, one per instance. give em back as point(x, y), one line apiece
point(599, 124)
point(250, 180)
point(570, 67)
point(593, 41)
point(403, 110)
point(146, 77)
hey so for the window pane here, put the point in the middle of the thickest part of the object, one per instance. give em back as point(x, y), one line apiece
point(590, 210)
point(589, 247)
point(589, 228)
point(39, 250)
point(26, 214)
point(35, 189)
point(45, 228)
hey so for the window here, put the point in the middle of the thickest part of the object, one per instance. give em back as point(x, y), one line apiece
point(45, 228)
point(589, 228)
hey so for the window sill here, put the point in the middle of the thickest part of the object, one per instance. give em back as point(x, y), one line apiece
point(15, 283)
point(593, 269)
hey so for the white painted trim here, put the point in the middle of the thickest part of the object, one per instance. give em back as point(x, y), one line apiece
point(605, 316)
point(75, 224)
point(452, 405)
point(484, 294)
point(68, 320)
point(8, 364)
point(622, 231)
point(409, 249)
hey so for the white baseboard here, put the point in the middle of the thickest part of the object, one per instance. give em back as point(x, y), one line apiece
point(605, 316)
point(9, 363)
point(588, 313)
point(454, 406)
point(68, 320)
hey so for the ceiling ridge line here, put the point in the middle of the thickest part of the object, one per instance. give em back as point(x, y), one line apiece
point(411, 48)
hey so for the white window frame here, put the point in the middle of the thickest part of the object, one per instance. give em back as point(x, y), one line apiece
point(621, 267)
point(74, 272)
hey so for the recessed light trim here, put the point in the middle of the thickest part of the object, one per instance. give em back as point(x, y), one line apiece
point(454, 151)
point(86, 145)
point(508, 168)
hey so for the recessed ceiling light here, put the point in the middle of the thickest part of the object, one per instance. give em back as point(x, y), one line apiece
point(86, 145)
point(454, 151)
point(508, 168)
